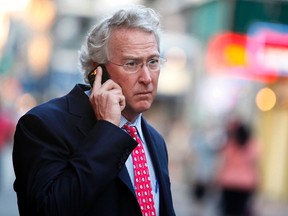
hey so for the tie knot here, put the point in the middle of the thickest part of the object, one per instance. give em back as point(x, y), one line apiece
point(130, 129)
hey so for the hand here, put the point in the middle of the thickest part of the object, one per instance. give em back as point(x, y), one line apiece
point(107, 100)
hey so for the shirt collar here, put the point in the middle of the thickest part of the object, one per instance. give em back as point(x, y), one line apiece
point(137, 122)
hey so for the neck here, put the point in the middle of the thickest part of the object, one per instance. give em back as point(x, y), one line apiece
point(130, 118)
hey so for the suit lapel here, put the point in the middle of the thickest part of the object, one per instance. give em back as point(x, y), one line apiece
point(159, 158)
point(153, 148)
point(125, 178)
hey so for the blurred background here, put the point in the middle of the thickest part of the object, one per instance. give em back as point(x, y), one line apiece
point(226, 59)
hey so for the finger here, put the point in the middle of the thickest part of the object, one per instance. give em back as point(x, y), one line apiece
point(98, 78)
point(113, 87)
point(122, 102)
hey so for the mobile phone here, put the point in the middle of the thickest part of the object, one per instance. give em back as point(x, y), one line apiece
point(92, 74)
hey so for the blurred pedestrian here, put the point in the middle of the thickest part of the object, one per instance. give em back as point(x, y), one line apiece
point(91, 152)
point(237, 175)
point(7, 129)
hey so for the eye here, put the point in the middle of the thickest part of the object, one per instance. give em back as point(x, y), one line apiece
point(154, 61)
point(131, 63)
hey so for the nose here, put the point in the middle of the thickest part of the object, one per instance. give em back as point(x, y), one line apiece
point(145, 75)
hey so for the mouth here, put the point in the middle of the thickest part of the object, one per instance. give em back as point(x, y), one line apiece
point(145, 93)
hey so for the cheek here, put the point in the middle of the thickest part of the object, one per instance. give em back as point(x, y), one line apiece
point(126, 85)
point(155, 81)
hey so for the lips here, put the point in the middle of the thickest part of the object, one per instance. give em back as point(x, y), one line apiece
point(144, 93)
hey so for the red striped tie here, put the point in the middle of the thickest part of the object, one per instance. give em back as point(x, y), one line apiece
point(142, 181)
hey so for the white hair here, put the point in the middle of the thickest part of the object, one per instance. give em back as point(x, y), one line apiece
point(94, 50)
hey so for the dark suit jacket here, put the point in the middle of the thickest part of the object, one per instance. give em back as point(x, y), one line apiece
point(68, 163)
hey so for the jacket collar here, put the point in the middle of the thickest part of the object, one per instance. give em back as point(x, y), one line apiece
point(77, 96)
point(83, 110)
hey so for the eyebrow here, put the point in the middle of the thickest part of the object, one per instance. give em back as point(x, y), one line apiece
point(140, 58)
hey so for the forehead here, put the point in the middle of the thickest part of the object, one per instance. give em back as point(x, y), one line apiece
point(132, 42)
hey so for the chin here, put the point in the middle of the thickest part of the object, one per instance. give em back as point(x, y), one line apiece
point(143, 107)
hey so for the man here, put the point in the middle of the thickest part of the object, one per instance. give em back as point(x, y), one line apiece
point(72, 156)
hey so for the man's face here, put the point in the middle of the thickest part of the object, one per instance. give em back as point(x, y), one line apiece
point(139, 88)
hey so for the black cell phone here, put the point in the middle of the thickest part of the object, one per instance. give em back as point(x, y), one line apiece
point(92, 74)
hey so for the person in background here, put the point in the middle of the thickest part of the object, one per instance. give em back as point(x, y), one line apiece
point(238, 176)
point(75, 155)
point(7, 129)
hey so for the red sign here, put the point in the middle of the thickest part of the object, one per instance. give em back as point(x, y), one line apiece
point(262, 57)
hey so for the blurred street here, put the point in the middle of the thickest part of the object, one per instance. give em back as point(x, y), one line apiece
point(224, 59)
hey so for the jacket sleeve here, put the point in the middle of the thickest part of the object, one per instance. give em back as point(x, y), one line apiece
point(59, 172)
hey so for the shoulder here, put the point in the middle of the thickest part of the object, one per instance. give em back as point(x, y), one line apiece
point(48, 109)
point(58, 107)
